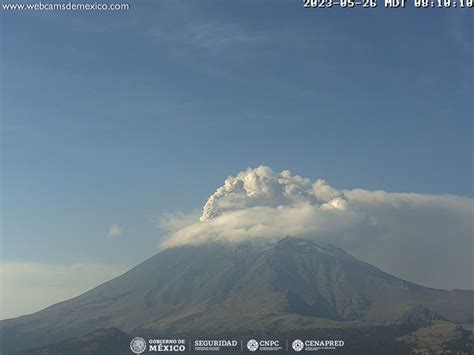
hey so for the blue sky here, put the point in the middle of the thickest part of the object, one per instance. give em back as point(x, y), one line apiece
point(114, 118)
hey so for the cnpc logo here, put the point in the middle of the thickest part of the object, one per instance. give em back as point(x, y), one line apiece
point(254, 345)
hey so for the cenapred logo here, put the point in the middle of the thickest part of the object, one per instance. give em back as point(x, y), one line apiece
point(297, 345)
point(252, 345)
point(138, 345)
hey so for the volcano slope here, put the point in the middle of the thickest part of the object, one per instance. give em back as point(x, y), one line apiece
point(288, 285)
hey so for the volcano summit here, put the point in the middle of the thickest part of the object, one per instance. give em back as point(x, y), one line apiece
point(288, 285)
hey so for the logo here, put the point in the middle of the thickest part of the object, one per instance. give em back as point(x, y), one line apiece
point(297, 345)
point(138, 345)
point(315, 345)
point(252, 345)
point(215, 345)
point(167, 345)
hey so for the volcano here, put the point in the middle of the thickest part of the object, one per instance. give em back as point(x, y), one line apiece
point(212, 288)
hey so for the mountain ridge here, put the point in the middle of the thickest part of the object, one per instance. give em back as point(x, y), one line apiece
point(212, 287)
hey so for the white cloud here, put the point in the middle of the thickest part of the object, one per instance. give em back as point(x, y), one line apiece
point(115, 231)
point(427, 239)
point(458, 28)
point(29, 287)
point(211, 36)
point(423, 238)
point(214, 35)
